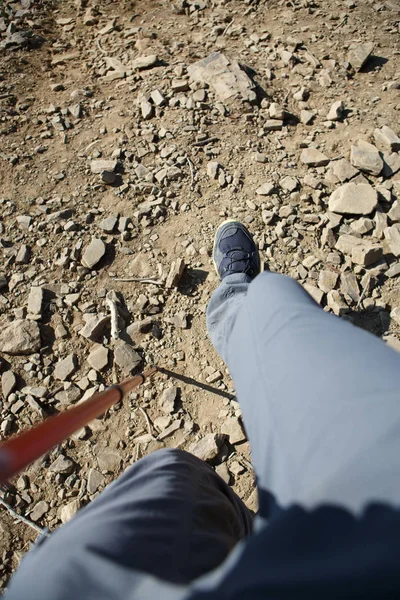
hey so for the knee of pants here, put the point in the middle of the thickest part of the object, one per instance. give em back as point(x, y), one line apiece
point(272, 288)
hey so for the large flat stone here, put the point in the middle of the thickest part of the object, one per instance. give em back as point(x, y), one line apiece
point(366, 157)
point(353, 199)
point(19, 337)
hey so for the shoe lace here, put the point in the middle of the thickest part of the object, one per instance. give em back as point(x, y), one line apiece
point(243, 257)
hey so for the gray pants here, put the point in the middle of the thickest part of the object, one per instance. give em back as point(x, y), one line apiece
point(320, 400)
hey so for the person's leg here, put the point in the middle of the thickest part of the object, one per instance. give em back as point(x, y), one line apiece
point(320, 397)
point(169, 515)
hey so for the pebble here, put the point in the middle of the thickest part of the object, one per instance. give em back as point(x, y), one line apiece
point(100, 165)
point(108, 177)
point(353, 199)
point(39, 510)
point(8, 383)
point(109, 461)
point(289, 184)
point(266, 189)
point(93, 253)
point(388, 138)
point(366, 157)
point(349, 286)
point(359, 54)
point(307, 117)
point(234, 430)
point(108, 225)
point(35, 300)
point(327, 280)
point(126, 357)
point(343, 170)
point(62, 465)
point(23, 255)
point(336, 303)
point(175, 425)
point(69, 510)
point(19, 337)
point(208, 447)
point(66, 367)
point(98, 358)
point(395, 315)
point(367, 254)
point(168, 398)
point(222, 471)
point(336, 111)
point(314, 292)
point(95, 481)
point(94, 327)
point(144, 62)
point(175, 273)
point(313, 158)
point(392, 236)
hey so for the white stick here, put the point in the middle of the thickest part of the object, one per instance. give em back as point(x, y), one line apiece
point(112, 305)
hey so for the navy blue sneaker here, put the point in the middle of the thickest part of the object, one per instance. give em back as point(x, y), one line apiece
point(235, 250)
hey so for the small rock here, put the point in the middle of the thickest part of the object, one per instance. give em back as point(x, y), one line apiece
point(62, 465)
point(175, 273)
point(327, 280)
point(307, 117)
point(336, 303)
point(98, 358)
point(233, 428)
point(289, 184)
point(108, 224)
point(362, 225)
point(146, 109)
point(19, 337)
point(266, 189)
point(388, 138)
point(168, 398)
point(352, 198)
point(313, 158)
point(179, 320)
point(222, 471)
point(273, 125)
point(213, 168)
point(395, 315)
point(392, 235)
point(95, 480)
point(94, 327)
point(349, 286)
point(93, 253)
point(65, 367)
point(175, 425)
point(314, 292)
point(109, 461)
point(236, 468)
point(276, 111)
point(144, 62)
point(208, 447)
point(126, 357)
point(359, 54)
point(8, 383)
point(346, 243)
point(68, 511)
point(366, 158)
point(343, 170)
point(158, 98)
point(394, 270)
point(336, 111)
point(394, 212)
point(98, 166)
point(39, 510)
point(23, 255)
point(108, 177)
point(35, 300)
point(366, 255)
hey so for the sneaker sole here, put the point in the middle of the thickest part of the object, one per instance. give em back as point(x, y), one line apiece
point(215, 241)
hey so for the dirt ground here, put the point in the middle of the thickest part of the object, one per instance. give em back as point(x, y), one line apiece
point(69, 96)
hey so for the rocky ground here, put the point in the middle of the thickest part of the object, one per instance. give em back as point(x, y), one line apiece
point(128, 131)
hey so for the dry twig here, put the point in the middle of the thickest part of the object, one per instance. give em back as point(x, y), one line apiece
point(22, 519)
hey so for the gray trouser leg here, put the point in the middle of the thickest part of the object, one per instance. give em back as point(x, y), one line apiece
point(320, 397)
point(169, 515)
